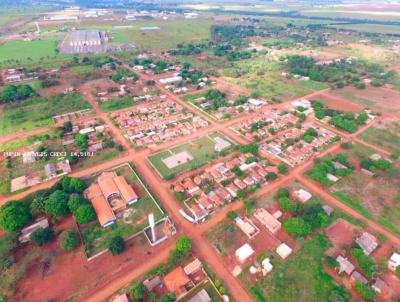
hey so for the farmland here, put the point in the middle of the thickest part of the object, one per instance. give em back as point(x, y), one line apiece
point(384, 134)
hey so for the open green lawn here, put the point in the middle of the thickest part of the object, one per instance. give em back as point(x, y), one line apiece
point(202, 150)
point(96, 237)
point(171, 33)
point(116, 104)
point(83, 68)
point(258, 65)
point(29, 52)
point(301, 277)
point(37, 112)
point(370, 28)
point(386, 136)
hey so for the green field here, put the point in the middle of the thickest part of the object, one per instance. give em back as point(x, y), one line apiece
point(83, 68)
point(37, 112)
point(370, 28)
point(271, 85)
point(387, 136)
point(29, 52)
point(202, 150)
point(171, 33)
point(116, 104)
point(301, 277)
point(96, 237)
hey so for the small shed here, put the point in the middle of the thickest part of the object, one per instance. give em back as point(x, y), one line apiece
point(284, 250)
point(244, 252)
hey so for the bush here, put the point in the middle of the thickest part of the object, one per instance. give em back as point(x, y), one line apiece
point(366, 292)
point(69, 240)
point(116, 245)
point(366, 264)
point(84, 213)
point(14, 215)
point(231, 215)
point(183, 244)
point(137, 291)
point(41, 236)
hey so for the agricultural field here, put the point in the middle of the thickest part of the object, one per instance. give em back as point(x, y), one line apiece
point(171, 33)
point(37, 112)
point(385, 134)
point(134, 221)
point(202, 150)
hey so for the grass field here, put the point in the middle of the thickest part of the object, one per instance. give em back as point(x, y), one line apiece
point(202, 150)
point(83, 68)
point(301, 277)
point(29, 52)
point(96, 237)
point(386, 136)
point(116, 104)
point(37, 112)
point(271, 85)
point(171, 33)
point(370, 28)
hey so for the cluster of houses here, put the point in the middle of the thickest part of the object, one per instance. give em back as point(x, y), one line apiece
point(93, 129)
point(153, 123)
point(265, 124)
point(298, 150)
point(181, 281)
point(51, 170)
point(251, 105)
point(173, 84)
point(368, 243)
point(218, 184)
point(11, 76)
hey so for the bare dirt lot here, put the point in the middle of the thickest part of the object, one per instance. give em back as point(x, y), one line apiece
point(70, 274)
point(341, 233)
point(378, 98)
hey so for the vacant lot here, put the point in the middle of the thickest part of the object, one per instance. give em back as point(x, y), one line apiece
point(272, 85)
point(226, 238)
point(116, 104)
point(385, 134)
point(301, 277)
point(171, 33)
point(37, 112)
point(381, 99)
point(202, 150)
point(339, 104)
point(135, 217)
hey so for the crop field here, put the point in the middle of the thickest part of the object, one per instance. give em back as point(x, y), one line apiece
point(40, 51)
point(202, 150)
point(171, 33)
point(370, 53)
point(36, 112)
point(385, 134)
point(135, 219)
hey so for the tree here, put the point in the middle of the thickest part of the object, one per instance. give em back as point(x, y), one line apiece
point(271, 176)
point(8, 242)
point(180, 196)
point(81, 141)
point(249, 204)
point(231, 215)
point(69, 240)
point(116, 245)
point(287, 205)
point(282, 168)
point(282, 192)
point(57, 204)
point(183, 244)
point(75, 201)
point(366, 292)
point(84, 213)
point(41, 236)
point(137, 291)
point(14, 215)
point(37, 205)
point(296, 227)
